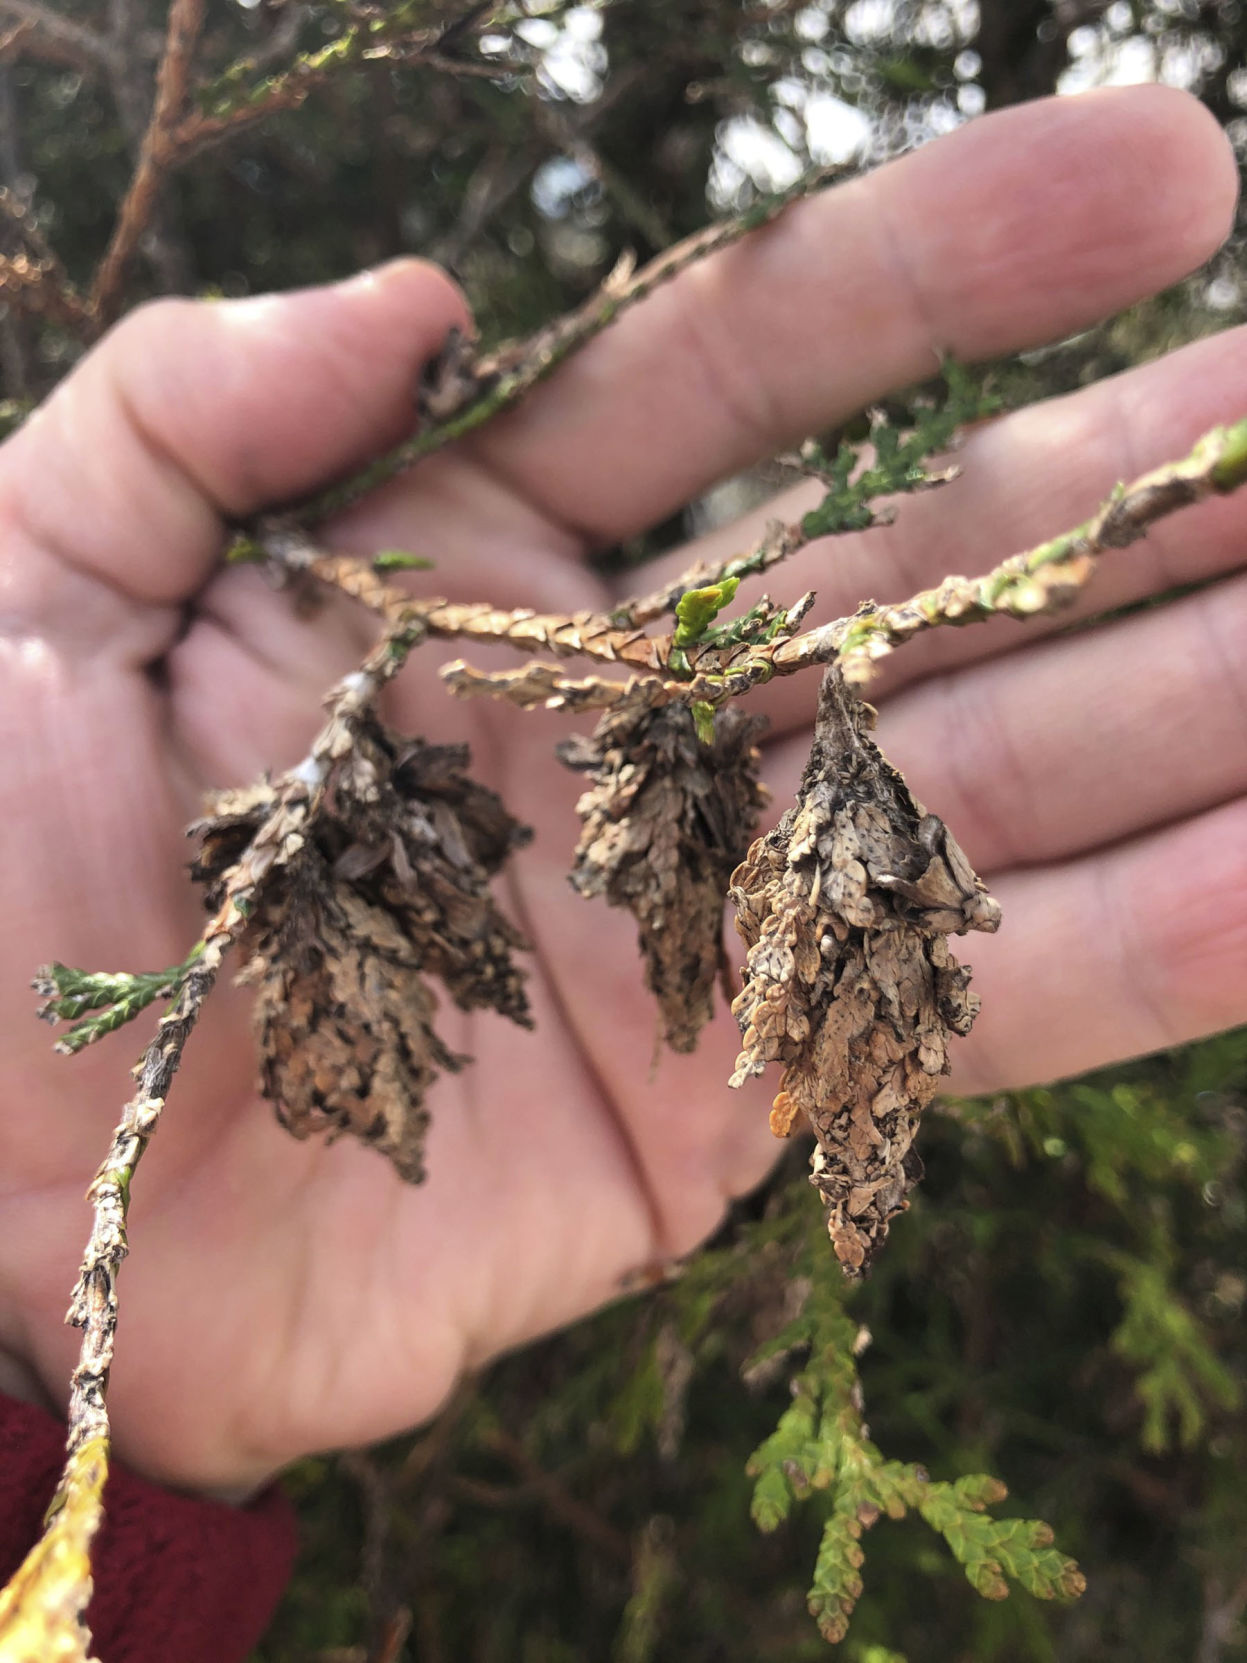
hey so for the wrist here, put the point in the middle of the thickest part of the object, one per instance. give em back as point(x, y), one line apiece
point(20, 1384)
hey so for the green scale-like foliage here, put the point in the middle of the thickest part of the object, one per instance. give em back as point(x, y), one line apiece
point(98, 1002)
point(821, 1447)
point(896, 461)
point(1063, 1303)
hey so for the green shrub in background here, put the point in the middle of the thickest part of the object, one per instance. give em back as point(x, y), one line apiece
point(1062, 1308)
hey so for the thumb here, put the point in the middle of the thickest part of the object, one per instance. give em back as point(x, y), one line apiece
point(189, 411)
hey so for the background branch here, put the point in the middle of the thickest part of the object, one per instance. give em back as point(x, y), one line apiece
point(77, 42)
point(1044, 579)
point(230, 106)
point(155, 156)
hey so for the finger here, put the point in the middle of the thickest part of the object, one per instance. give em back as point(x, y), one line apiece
point(1085, 740)
point(1024, 479)
point(1012, 231)
point(189, 411)
point(1111, 956)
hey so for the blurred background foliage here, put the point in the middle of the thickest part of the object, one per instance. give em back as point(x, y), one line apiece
point(545, 138)
point(1064, 1304)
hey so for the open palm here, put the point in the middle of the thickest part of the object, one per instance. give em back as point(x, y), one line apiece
point(284, 1297)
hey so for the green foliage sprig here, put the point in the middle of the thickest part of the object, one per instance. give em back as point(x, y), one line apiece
point(98, 1002)
point(994, 1350)
point(695, 612)
point(1178, 1375)
point(1133, 1143)
point(902, 451)
point(822, 1447)
point(899, 463)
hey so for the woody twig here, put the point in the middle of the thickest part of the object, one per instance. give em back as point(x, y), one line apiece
point(155, 157)
point(243, 96)
point(1043, 579)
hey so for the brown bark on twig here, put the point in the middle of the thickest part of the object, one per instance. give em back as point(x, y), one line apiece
point(80, 45)
point(1043, 579)
point(566, 634)
point(545, 686)
point(155, 156)
point(297, 800)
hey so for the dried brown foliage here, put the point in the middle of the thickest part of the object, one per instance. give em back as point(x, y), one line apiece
point(390, 887)
point(845, 908)
point(665, 820)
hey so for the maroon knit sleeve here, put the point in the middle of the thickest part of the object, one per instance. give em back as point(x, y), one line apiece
point(177, 1579)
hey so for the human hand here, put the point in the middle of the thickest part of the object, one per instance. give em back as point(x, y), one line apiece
point(284, 1297)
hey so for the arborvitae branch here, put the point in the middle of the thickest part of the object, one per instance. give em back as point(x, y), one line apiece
point(235, 101)
point(1044, 579)
point(53, 1585)
point(568, 635)
point(821, 1442)
point(42, 1604)
point(576, 634)
point(821, 1445)
point(545, 686)
point(719, 661)
point(297, 799)
point(896, 465)
point(1179, 1375)
point(779, 542)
